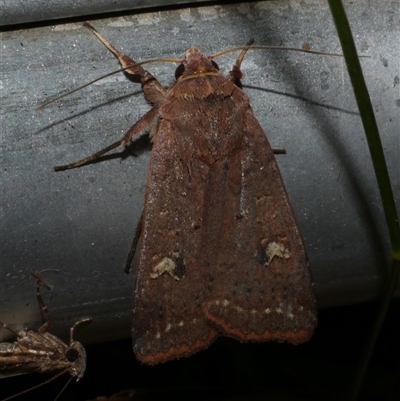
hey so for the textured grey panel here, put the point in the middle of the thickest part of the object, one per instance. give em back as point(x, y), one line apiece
point(20, 12)
point(82, 221)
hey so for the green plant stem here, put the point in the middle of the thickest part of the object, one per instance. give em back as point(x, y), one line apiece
point(369, 122)
point(382, 176)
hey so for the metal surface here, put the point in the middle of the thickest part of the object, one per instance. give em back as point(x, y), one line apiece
point(82, 221)
point(21, 12)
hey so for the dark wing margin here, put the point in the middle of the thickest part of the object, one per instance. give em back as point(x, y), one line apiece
point(259, 286)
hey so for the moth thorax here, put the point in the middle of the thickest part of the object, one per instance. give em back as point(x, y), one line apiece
point(197, 63)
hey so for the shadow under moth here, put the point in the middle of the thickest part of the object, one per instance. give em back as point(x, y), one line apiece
point(219, 248)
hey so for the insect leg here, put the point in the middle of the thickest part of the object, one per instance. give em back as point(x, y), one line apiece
point(131, 135)
point(236, 74)
point(138, 231)
point(152, 89)
point(8, 328)
point(45, 326)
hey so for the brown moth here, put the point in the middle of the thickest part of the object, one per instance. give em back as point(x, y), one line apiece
point(39, 351)
point(220, 251)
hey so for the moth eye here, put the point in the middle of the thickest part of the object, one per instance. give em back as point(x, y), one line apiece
point(72, 355)
point(215, 64)
point(179, 71)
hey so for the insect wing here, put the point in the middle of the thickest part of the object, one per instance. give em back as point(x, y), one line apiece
point(261, 286)
point(167, 322)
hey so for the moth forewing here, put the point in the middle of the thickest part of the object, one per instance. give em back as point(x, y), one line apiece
point(220, 251)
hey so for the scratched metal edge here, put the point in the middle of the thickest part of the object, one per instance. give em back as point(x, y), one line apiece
point(12, 12)
point(81, 222)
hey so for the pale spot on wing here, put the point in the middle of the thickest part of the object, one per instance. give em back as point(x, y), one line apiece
point(289, 312)
point(168, 266)
point(170, 326)
point(275, 249)
point(219, 302)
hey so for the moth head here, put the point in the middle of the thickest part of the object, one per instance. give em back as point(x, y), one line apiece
point(195, 63)
point(75, 357)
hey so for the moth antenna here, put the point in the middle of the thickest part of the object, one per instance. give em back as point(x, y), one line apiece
point(234, 49)
point(83, 320)
point(62, 390)
point(176, 60)
point(156, 60)
point(39, 385)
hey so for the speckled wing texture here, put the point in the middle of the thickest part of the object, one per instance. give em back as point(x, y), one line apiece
point(260, 286)
point(220, 251)
point(41, 352)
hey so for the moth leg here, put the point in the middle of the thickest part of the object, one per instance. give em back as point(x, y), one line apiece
point(8, 328)
point(236, 74)
point(135, 241)
point(45, 326)
point(153, 90)
point(71, 330)
point(38, 276)
point(130, 136)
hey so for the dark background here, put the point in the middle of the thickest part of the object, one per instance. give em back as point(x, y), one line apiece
point(319, 370)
